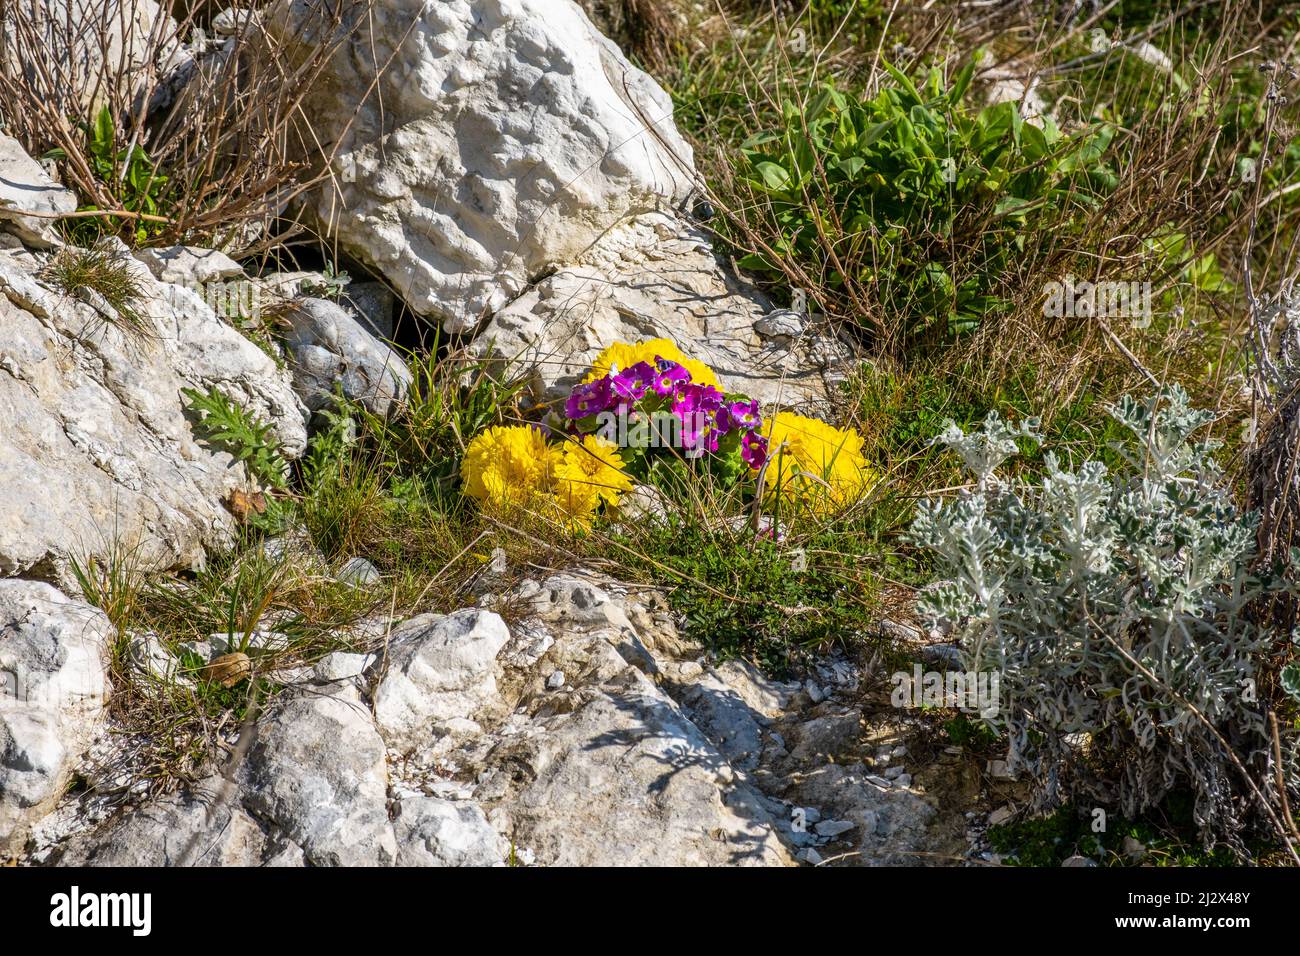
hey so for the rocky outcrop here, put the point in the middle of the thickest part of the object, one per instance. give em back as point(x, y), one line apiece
point(436, 832)
point(97, 451)
point(197, 828)
point(657, 277)
point(502, 139)
point(53, 687)
point(584, 733)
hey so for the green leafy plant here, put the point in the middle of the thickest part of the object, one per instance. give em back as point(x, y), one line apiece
point(130, 176)
point(1116, 610)
point(225, 423)
point(909, 209)
point(1290, 679)
point(331, 285)
point(1050, 840)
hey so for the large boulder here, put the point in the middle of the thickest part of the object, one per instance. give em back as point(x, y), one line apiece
point(317, 773)
point(98, 452)
point(502, 138)
point(53, 687)
point(441, 674)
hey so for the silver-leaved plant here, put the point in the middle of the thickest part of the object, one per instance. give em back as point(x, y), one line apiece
point(1113, 607)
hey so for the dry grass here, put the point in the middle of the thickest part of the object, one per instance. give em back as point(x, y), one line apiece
point(226, 143)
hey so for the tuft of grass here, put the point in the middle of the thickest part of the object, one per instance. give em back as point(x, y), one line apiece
point(451, 399)
point(100, 276)
point(113, 581)
point(772, 591)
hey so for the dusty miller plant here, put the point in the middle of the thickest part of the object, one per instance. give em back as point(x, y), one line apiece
point(1111, 605)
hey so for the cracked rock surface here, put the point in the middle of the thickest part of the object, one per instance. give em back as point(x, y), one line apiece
point(586, 732)
point(97, 450)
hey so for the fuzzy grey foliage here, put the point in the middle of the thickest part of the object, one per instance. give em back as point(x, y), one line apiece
point(1052, 583)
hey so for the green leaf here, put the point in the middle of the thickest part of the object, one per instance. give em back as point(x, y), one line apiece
point(774, 176)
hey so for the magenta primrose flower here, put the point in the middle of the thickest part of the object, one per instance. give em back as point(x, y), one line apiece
point(696, 401)
point(590, 398)
point(633, 382)
point(739, 415)
point(753, 450)
point(668, 376)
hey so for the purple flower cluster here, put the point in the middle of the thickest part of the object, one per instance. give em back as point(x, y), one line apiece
point(706, 415)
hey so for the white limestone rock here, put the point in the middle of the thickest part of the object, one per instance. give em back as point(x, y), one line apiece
point(441, 674)
point(29, 197)
point(53, 688)
point(97, 449)
point(317, 773)
point(503, 138)
point(654, 277)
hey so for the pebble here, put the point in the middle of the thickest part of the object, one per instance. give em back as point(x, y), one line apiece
point(1001, 815)
point(1077, 860)
point(811, 856)
point(555, 681)
point(833, 828)
point(357, 572)
point(815, 693)
point(904, 780)
point(893, 773)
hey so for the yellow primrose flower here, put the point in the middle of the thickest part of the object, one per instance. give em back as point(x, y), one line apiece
point(589, 472)
point(624, 355)
point(508, 467)
point(815, 464)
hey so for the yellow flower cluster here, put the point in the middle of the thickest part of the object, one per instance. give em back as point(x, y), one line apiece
point(513, 468)
point(622, 355)
point(815, 465)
